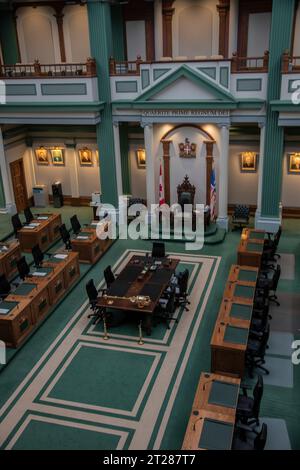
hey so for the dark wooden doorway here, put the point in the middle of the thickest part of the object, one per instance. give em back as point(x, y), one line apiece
point(19, 184)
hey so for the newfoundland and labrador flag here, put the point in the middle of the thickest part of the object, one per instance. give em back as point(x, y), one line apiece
point(213, 195)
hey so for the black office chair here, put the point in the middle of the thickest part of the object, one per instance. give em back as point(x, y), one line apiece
point(158, 250)
point(243, 440)
point(181, 289)
point(65, 235)
point(16, 223)
point(256, 351)
point(272, 243)
point(75, 224)
point(241, 216)
point(5, 287)
point(97, 313)
point(28, 215)
point(166, 307)
point(248, 408)
point(270, 283)
point(109, 276)
point(23, 268)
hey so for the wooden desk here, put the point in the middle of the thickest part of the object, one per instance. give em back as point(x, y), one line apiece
point(88, 244)
point(10, 253)
point(71, 271)
point(38, 293)
point(251, 247)
point(210, 403)
point(44, 234)
point(230, 336)
point(132, 282)
point(15, 321)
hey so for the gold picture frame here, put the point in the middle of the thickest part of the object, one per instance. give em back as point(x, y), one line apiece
point(248, 162)
point(42, 156)
point(294, 163)
point(141, 158)
point(85, 157)
point(58, 156)
point(97, 157)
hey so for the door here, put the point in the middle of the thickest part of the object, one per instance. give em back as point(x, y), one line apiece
point(19, 184)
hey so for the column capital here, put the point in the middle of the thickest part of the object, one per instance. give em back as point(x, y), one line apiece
point(261, 125)
point(147, 124)
point(224, 125)
point(116, 124)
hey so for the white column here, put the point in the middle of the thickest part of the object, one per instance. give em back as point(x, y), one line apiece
point(9, 199)
point(261, 171)
point(118, 158)
point(223, 178)
point(31, 158)
point(150, 179)
point(74, 172)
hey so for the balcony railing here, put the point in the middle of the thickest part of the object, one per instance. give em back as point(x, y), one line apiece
point(290, 64)
point(238, 64)
point(37, 70)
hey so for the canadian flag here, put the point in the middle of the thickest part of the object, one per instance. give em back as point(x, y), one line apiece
point(161, 187)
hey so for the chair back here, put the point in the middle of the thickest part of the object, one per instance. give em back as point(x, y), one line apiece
point(16, 223)
point(261, 438)
point(158, 250)
point(4, 286)
point(276, 278)
point(64, 233)
point(75, 224)
point(186, 193)
point(257, 395)
point(23, 268)
point(278, 236)
point(91, 291)
point(109, 276)
point(38, 255)
point(28, 215)
point(183, 278)
point(241, 212)
point(170, 307)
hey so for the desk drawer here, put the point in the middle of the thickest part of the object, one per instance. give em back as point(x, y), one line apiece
point(71, 273)
point(40, 306)
point(56, 288)
point(14, 331)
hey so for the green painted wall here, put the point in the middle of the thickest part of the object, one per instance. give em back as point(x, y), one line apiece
point(8, 38)
point(101, 49)
point(117, 32)
point(280, 39)
point(124, 147)
point(2, 197)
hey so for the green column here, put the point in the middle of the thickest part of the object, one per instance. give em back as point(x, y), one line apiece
point(101, 49)
point(280, 40)
point(8, 38)
point(124, 147)
point(2, 197)
point(117, 32)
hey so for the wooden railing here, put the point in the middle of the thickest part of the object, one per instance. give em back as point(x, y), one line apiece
point(290, 64)
point(249, 64)
point(238, 64)
point(37, 70)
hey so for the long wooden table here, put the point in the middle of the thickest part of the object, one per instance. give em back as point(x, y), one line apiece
point(10, 253)
point(42, 231)
point(230, 336)
point(212, 419)
point(138, 279)
point(251, 247)
point(88, 244)
point(32, 300)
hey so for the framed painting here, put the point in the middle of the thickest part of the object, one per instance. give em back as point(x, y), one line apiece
point(248, 162)
point(58, 157)
point(42, 156)
point(294, 163)
point(85, 157)
point(141, 158)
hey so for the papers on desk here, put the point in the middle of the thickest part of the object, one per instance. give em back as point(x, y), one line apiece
point(60, 256)
point(32, 225)
point(3, 249)
point(43, 217)
point(29, 227)
point(82, 237)
point(4, 311)
point(94, 224)
point(39, 274)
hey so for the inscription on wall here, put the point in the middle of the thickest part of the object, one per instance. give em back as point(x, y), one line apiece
point(185, 112)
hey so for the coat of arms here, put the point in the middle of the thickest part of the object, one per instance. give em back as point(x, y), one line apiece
point(187, 150)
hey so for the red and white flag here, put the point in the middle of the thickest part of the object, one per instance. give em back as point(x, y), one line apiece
point(161, 187)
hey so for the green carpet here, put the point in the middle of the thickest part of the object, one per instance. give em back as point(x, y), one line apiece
point(41, 430)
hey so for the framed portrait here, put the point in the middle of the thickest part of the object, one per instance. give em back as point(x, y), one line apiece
point(85, 157)
point(42, 156)
point(248, 162)
point(97, 157)
point(58, 157)
point(141, 158)
point(294, 163)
